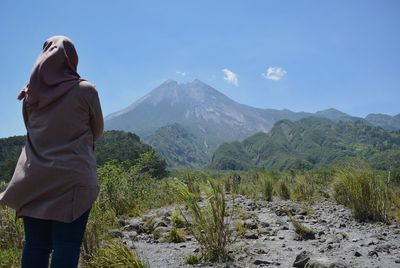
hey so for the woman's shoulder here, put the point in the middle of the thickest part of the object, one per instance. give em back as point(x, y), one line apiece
point(86, 85)
point(86, 89)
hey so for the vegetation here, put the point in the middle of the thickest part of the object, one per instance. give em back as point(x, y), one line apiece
point(302, 231)
point(115, 254)
point(11, 237)
point(10, 149)
point(179, 147)
point(309, 143)
point(209, 226)
point(365, 192)
point(120, 146)
point(135, 181)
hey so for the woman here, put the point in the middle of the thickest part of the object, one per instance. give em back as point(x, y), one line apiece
point(55, 181)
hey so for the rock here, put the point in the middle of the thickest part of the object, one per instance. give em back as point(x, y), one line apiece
point(259, 261)
point(357, 254)
point(338, 264)
point(301, 259)
point(116, 233)
point(373, 253)
point(264, 224)
point(135, 225)
point(250, 235)
point(250, 224)
point(315, 264)
point(332, 240)
point(132, 235)
point(159, 223)
point(161, 230)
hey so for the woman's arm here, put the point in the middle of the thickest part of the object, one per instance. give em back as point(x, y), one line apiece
point(96, 117)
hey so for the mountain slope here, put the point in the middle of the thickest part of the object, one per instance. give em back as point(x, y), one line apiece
point(179, 147)
point(385, 121)
point(314, 142)
point(201, 109)
point(209, 116)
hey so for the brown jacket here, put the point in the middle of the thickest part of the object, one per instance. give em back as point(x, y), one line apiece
point(55, 177)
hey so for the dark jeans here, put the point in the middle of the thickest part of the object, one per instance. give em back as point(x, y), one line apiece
point(45, 236)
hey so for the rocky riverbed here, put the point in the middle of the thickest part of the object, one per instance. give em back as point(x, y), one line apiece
point(268, 238)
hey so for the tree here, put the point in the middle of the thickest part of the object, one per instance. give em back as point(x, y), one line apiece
point(150, 163)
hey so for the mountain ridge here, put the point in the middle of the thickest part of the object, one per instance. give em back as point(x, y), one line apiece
point(210, 116)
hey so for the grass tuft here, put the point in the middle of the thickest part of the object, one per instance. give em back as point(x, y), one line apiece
point(210, 227)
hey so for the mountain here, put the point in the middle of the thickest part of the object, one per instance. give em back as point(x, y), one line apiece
point(210, 117)
point(179, 147)
point(201, 109)
point(385, 121)
point(311, 142)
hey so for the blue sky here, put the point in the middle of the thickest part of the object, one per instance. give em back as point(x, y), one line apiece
point(300, 55)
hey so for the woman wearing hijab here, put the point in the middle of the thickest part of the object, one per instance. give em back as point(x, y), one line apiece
point(55, 183)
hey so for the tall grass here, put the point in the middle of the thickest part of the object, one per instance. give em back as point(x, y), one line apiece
point(209, 226)
point(364, 191)
point(115, 254)
point(267, 189)
point(11, 238)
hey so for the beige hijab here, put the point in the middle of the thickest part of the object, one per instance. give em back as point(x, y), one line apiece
point(54, 72)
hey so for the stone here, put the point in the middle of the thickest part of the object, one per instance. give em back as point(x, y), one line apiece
point(159, 223)
point(116, 233)
point(373, 254)
point(338, 264)
point(250, 224)
point(259, 261)
point(264, 224)
point(250, 235)
point(301, 259)
point(357, 254)
point(315, 264)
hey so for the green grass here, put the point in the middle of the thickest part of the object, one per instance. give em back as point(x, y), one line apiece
point(175, 235)
point(115, 254)
point(10, 258)
point(209, 226)
point(365, 192)
point(283, 190)
point(267, 189)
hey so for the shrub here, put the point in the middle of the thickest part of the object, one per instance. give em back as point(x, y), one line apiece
point(175, 235)
point(267, 189)
point(304, 189)
point(114, 187)
point(283, 190)
point(210, 227)
point(97, 229)
point(177, 219)
point(115, 254)
point(151, 164)
point(364, 192)
point(192, 259)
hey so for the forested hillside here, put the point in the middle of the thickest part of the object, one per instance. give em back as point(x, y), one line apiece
point(113, 145)
point(311, 142)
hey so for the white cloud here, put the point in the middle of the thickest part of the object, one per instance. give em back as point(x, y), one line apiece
point(181, 73)
point(274, 73)
point(231, 77)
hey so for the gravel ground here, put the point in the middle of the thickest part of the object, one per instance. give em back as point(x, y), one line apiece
point(270, 239)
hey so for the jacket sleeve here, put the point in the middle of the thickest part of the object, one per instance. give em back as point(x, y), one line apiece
point(96, 117)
